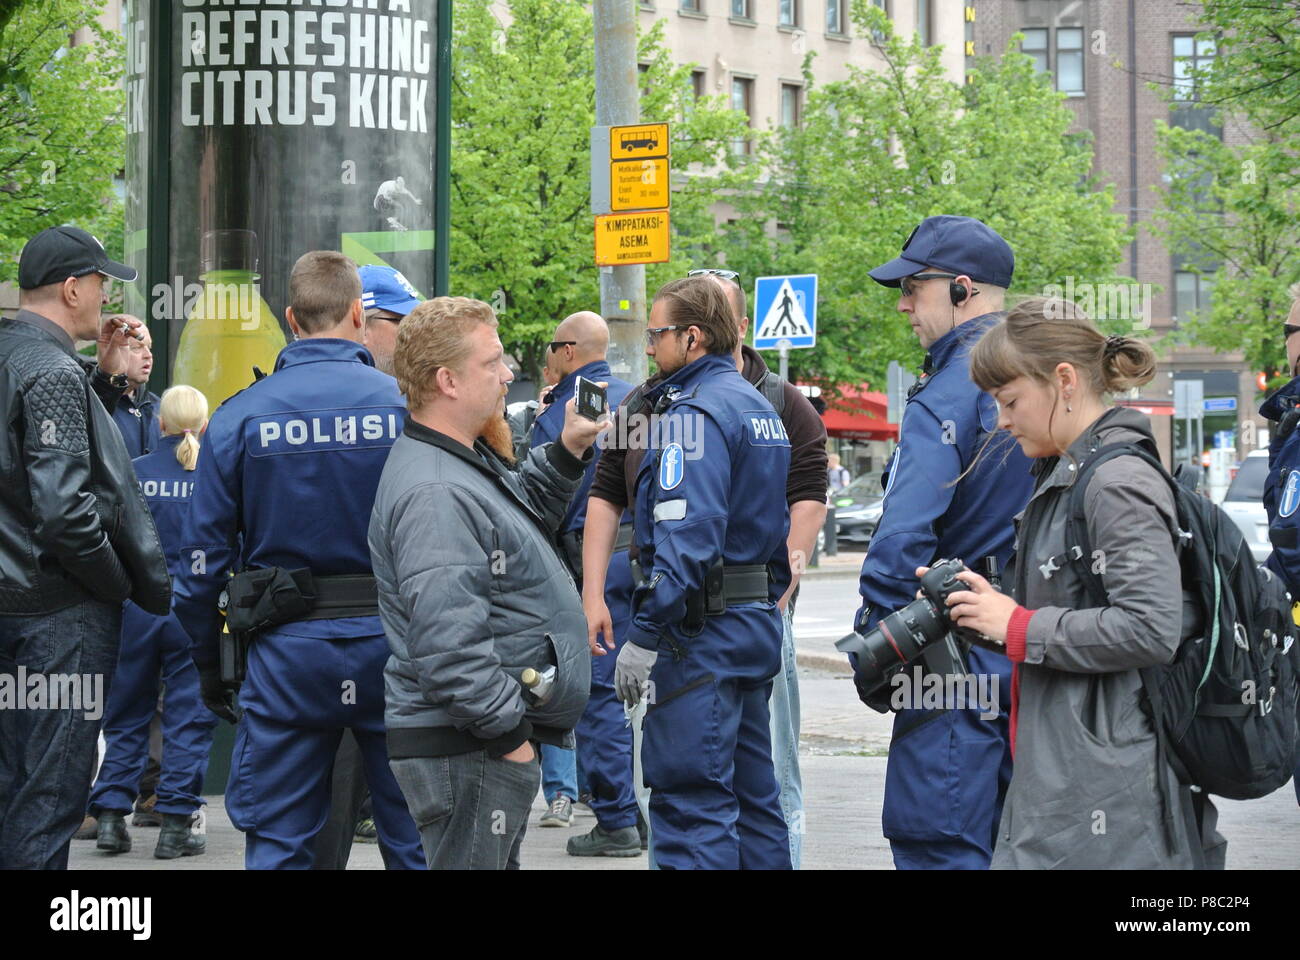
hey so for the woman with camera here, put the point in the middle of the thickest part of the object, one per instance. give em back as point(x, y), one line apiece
point(1085, 791)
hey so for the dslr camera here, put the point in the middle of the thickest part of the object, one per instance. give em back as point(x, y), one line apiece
point(904, 635)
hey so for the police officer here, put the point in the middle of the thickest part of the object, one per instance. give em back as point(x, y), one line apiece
point(283, 498)
point(705, 638)
point(154, 649)
point(387, 297)
point(948, 769)
point(604, 742)
point(1282, 491)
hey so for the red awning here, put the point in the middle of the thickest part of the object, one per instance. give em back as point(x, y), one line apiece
point(859, 414)
point(1152, 408)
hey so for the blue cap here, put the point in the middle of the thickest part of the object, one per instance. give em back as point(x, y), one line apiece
point(960, 245)
point(383, 288)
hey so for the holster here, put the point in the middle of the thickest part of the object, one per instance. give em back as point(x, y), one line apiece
point(724, 586)
point(268, 596)
point(233, 650)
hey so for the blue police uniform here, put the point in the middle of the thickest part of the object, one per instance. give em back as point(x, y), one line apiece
point(156, 648)
point(1282, 494)
point(604, 740)
point(711, 488)
point(948, 770)
point(287, 479)
point(138, 423)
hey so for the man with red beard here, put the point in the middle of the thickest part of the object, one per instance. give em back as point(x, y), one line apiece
point(475, 602)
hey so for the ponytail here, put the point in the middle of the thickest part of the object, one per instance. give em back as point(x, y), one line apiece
point(184, 410)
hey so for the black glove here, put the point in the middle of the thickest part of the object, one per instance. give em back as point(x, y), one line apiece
point(875, 695)
point(218, 696)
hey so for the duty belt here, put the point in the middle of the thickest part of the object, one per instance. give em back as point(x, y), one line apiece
point(267, 596)
point(726, 586)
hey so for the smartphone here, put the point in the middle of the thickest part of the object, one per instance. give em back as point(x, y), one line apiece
point(591, 401)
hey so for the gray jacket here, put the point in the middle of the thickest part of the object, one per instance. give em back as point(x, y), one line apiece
point(471, 592)
point(1084, 789)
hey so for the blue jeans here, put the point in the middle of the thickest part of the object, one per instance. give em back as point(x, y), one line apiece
point(784, 719)
point(47, 749)
point(559, 773)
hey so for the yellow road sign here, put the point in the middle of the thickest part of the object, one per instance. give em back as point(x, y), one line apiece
point(639, 184)
point(628, 238)
point(639, 142)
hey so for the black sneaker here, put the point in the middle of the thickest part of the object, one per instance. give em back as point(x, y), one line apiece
point(145, 814)
point(600, 842)
point(558, 814)
point(176, 839)
point(112, 836)
point(366, 832)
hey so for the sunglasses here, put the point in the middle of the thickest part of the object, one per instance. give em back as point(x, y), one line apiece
point(712, 272)
point(556, 344)
point(652, 333)
point(1289, 329)
point(908, 284)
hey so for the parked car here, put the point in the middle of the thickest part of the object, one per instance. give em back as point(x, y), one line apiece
point(1243, 502)
point(857, 509)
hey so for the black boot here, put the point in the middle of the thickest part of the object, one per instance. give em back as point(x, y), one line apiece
point(112, 835)
point(176, 840)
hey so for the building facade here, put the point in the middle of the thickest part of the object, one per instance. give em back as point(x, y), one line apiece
point(1104, 55)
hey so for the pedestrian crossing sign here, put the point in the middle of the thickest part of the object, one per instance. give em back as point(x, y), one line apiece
point(785, 312)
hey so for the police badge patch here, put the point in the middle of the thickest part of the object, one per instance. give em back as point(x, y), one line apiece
point(672, 466)
point(1290, 495)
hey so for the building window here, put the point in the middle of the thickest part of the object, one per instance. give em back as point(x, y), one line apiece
point(791, 94)
point(835, 17)
point(1191, 293)
point(883, 5)
point(1190, 55)
point(788, 13)
point(742, 99)
point(690, 6)
point(697, 83)
point(923, 21)
point(1069, 59)
point(1035, 45)
point(740, 9)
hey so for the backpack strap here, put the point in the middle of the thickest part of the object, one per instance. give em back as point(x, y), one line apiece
point(773, 388)
point(1079, 544)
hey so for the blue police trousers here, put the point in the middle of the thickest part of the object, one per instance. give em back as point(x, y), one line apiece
point(946, 779)
point(603, 734)
point(299, 695)
point(707, 750)
point(154, 649)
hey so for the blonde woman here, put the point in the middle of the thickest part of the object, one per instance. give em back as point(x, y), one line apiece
point(154, 649)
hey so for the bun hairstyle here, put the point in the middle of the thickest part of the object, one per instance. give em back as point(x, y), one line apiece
point(185, 411)
point(1041, 332)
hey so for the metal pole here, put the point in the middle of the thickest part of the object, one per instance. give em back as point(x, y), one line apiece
point(442, 157)
point(618, 101)
point(785, 362)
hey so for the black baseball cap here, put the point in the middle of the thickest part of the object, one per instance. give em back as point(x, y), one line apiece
point(960, 245)
point(57, 253)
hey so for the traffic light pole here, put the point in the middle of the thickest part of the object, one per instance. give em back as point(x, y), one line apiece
point(618, 101)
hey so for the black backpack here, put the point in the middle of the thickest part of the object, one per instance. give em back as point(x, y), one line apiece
point(1225, 709)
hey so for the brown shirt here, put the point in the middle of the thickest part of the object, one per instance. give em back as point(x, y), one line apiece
point(615, 480)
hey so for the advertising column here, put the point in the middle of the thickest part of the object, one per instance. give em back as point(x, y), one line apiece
point(279, 128)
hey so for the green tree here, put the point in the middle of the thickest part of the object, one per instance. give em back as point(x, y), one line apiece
point(1257, 70)
point(1234, 212)
point(880, 151)
point(523, 104)
point(61, 124)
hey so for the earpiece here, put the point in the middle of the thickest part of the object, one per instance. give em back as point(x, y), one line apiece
point(690, 341)
point(956, 293)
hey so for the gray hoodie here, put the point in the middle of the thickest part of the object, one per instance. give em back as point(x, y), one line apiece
point(1084, 791)
point(471, 592)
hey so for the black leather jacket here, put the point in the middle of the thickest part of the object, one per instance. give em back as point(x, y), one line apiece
point(73, 523)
